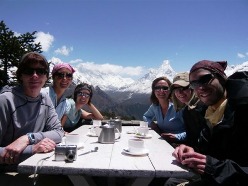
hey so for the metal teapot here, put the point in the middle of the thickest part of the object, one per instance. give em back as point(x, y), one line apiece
point(117, 123)
point(107, 134)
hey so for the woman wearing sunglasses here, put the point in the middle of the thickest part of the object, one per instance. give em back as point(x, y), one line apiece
point(62, 75)
point(170, 124)
point(184, 98)
point(74, 111)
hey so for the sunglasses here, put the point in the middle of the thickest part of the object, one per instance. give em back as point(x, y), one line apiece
point(202, 81)
point(87, 86)
point(158, 88)
point(61, 75)
point(180, 89)
point(31, 71)
point(83, 94)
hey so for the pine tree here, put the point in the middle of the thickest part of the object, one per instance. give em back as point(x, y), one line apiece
point(12, 48)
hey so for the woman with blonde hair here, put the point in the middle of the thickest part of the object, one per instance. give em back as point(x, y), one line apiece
point(185, 99)
point(169, 122)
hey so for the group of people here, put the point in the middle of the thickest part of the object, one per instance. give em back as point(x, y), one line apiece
point(172, 104)
point(34, 119)
point(204, 113)
point(69, 105)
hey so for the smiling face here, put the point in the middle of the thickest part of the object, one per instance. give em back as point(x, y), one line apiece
point(161, 89)
point(33, 79)
point(183, 94)
point(208, 92)
point(62, 79)
point(83, 97)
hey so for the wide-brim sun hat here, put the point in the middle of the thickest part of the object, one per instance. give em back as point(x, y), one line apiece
point(181, 79)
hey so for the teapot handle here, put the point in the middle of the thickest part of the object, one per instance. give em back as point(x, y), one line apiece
point(119, 134)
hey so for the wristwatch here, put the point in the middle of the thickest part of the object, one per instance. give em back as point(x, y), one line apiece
point(31, 138)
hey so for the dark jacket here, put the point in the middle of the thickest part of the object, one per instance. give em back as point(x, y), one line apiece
point(194, 123)
point(226, 146)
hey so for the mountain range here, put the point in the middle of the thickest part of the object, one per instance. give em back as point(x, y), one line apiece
point(126, 97)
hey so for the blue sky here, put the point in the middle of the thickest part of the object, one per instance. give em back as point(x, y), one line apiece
point(131, 36)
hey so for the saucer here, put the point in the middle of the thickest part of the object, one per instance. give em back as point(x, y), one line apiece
point(126, 151)
point(131, 132)
point(143, 136)
point(91, 134)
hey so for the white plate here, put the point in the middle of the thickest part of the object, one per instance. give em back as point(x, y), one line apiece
point(143, 136)
point(126, 151)
point(91, 134)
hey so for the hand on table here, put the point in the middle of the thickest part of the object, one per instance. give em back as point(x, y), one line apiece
point(187, 156)
point(12, 152)
point(171, 138)
point(45, 145)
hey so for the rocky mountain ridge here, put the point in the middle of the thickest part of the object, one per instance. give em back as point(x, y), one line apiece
point(116, 95)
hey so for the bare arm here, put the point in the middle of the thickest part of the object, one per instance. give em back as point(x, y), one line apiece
point(95, 113)
point(63, 120)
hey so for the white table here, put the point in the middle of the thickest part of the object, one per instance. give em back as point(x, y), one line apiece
point(110, 161)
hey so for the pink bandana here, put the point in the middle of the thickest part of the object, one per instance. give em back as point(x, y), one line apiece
point(62, 65)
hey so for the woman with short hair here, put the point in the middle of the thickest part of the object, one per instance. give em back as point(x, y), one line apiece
point(74, 112)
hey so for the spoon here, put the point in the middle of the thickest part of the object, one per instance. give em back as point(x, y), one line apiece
point(93, 150)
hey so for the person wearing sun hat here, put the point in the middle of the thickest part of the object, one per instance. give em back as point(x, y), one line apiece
point(222, 151)
point(180, 84)
point(62, 75)
point(161, 115)
point(183, 97)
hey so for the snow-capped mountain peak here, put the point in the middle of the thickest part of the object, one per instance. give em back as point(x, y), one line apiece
point(110, 82)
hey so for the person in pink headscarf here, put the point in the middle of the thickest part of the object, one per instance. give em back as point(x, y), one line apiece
point(62, 75)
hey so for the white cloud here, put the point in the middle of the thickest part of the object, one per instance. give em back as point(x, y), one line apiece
point(17, 34)
point(241, 55)
point(107, 68)
point(246, 53)
point(64, 50)
point(55, 60)
point(45, 40)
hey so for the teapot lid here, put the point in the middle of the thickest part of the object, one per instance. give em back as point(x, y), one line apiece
point(107, 125)
point(117, 118)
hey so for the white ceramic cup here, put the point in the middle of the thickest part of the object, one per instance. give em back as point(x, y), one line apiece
point(72, 139)
point(143, 130)
point(143, 124)
point(136, 145)
point(97, 122)
point(95, 129)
